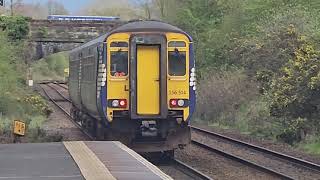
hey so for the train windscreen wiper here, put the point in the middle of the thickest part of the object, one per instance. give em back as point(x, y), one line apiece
point(176, 50)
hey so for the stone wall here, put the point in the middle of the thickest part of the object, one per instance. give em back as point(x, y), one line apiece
point(49, 37)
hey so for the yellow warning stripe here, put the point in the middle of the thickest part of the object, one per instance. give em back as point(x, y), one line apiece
point(89, 164)
point(146, 163)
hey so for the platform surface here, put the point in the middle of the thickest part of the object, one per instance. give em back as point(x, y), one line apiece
point(79, 160)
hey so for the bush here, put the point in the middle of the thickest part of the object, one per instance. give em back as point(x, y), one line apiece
point(51, 67)
point(296, 91)
point(37, 105)
point(221, 94)
point(17, 27)
point(42, 32)
point(293, 131)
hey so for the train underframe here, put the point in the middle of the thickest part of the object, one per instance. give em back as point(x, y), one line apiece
point(143, 136)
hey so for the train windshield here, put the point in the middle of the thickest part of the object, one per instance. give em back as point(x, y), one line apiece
point(119, 63)
point(177, 63)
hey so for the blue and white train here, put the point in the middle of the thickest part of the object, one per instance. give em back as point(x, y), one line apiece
point(82, 18)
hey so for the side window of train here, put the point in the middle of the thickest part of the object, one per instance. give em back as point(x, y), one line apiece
point(177, 63)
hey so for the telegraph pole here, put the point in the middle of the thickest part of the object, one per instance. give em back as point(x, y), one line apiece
point(11, 7)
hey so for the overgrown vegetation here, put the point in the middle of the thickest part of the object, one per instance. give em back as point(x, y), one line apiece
point(51, 67)
point(17, 28)
point(16, 100)
point(258, 63)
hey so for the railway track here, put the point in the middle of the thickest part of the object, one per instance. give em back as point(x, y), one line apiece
point(60, 103)
point(62, 85)
point(180, 170)
point(277, 164)
point(190, 171)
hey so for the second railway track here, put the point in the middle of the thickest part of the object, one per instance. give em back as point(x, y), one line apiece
point(278, 164)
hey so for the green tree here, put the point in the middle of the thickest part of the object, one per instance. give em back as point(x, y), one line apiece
point(296, 92)
point(17, 27)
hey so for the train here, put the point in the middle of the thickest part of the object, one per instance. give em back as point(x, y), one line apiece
point(82, 18)
point(136, 84)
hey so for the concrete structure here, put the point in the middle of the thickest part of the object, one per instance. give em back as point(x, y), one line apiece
point(49, 37)
point(104, 160)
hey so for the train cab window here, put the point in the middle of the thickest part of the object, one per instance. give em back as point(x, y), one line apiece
point(119, 63)
point(177, 63)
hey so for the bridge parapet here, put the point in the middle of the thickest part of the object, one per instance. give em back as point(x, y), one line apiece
point(49, 37)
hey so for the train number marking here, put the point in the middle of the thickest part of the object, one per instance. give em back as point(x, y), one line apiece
point(177, 92)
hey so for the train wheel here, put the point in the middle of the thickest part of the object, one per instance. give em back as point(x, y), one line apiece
point(169, 154)
point(100, 133)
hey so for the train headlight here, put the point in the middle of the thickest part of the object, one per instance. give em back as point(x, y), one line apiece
point(115, 103)
point(181, 103)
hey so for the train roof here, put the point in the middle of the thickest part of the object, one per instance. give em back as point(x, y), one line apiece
point(136, 26)
point(142, 26)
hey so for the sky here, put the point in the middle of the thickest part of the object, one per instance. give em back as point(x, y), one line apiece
point(71, 5)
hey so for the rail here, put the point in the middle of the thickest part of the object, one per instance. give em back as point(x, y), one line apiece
point(295, 161)
point(65, 111)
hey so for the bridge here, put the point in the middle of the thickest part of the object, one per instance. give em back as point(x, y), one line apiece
point(49, 37)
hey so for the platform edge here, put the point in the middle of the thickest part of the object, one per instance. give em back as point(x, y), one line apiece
point(142, 160)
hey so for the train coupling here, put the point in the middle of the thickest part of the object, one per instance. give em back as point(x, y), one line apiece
point(149, 128)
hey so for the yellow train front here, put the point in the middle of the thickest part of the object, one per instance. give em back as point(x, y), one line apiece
point(136, 84)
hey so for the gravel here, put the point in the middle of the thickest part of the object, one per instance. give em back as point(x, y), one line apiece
point(283, 166)
point(218, 167)
point(58, 122)
point(276, 146)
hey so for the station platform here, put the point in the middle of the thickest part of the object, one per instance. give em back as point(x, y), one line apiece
point(79, 160)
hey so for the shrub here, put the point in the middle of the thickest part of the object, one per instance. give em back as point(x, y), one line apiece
point(293, 131)
point(51, 67)
point(221, 94)
point(17, 27)
point(37, 104)
point(296, 91)
point(42, 32)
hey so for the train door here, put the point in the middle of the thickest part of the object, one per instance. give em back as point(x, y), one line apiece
point(148, 80)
